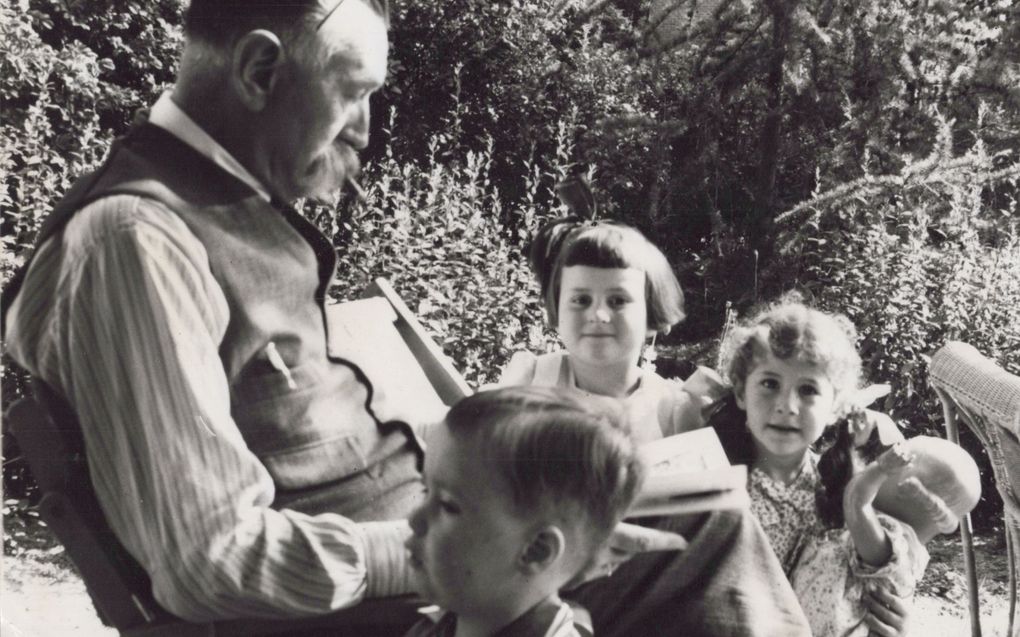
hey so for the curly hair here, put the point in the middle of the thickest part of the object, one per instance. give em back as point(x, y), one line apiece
point(789, 329)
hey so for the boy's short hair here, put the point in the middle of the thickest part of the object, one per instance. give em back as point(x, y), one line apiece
point(556, 449)
point(221, 22)
point(606, 245)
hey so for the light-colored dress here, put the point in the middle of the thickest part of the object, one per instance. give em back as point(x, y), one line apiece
point(830, 578)
point(675, 407)
point(786, 512)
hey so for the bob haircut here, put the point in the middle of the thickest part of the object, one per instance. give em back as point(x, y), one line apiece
point(789, 329)
point(221, 22)
point(606, 245)
point(556, 450)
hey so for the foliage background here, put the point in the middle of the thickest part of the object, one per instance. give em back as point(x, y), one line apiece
point(863, 151)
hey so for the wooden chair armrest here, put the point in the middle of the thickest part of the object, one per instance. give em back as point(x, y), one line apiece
point(443, 376)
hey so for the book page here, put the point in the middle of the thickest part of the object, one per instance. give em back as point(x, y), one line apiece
point(689, 473)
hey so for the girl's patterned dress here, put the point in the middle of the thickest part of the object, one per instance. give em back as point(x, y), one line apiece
point(786, 511)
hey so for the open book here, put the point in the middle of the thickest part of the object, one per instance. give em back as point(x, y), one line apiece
point(689, 473)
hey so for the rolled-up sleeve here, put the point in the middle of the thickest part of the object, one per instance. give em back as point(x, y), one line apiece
point(131, 337)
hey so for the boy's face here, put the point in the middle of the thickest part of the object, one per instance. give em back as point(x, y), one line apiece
point(467, 542)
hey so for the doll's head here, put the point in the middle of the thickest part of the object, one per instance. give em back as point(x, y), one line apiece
point(939, 485)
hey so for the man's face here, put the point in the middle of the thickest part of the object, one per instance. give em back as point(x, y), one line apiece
point(318, 115)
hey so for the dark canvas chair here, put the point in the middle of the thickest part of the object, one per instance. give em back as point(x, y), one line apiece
point(50, 439)
point(987, 399)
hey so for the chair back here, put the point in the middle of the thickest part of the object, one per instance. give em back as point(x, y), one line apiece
point(974, 389)
point(50, 439)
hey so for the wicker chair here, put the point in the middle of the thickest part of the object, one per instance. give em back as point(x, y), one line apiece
point(987, 398)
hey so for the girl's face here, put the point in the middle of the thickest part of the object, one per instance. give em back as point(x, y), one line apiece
point(789, 403)
point(603, 317)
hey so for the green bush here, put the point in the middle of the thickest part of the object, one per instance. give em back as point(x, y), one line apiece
point(434, 229)
point(70, 78)
point(916, 260)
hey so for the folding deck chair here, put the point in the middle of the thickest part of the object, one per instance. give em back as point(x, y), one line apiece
point(974, 389)
point(50, 439)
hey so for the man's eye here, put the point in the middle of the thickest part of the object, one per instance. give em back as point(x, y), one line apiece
point(580, 299)
point(616, 302)
point(770, 383)
point(808, 390)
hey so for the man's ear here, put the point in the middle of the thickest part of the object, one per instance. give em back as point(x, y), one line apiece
point(546, 546)
point(257, 58)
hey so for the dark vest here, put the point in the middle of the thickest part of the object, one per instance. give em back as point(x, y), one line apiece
point(311, 425)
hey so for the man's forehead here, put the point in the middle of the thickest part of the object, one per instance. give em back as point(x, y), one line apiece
point(356, 32)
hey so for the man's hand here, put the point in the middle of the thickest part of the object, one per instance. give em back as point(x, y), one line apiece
point(888, 615)
point(627, 541)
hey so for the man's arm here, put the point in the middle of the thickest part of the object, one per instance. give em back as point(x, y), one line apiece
point(133, 345)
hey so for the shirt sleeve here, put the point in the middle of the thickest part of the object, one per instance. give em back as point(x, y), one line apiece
point(136, 352)
point(519, 371)
point(907, 560)
point(689, 399)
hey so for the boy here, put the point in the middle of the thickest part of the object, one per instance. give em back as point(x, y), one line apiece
point(525, 485)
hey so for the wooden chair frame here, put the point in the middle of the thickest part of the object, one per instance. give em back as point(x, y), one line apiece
point(50, 438)
point(986, 398)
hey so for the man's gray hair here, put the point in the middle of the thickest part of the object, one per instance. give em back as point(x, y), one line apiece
point(221, 22)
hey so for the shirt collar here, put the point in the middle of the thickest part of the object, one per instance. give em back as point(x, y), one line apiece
point(168, 116)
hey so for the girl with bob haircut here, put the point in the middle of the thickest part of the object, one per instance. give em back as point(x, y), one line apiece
point(607, 290)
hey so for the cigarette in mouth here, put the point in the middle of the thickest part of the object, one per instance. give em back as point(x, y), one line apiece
point(358, 190)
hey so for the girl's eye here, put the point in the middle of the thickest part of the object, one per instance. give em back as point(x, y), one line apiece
point(616, 302)
point(770, 383)
point(580, 300)
point(808, 390)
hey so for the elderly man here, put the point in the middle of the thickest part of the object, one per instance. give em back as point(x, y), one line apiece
point(176, 304)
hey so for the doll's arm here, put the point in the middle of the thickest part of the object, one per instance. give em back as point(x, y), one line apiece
point(869, 538)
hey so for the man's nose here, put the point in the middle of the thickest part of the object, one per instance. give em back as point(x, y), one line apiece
point(355, 132)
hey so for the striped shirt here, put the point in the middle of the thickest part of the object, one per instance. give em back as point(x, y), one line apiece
point(121, 314)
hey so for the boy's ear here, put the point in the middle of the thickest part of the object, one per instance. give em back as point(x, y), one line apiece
point(546, 546)
point(256, 60)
